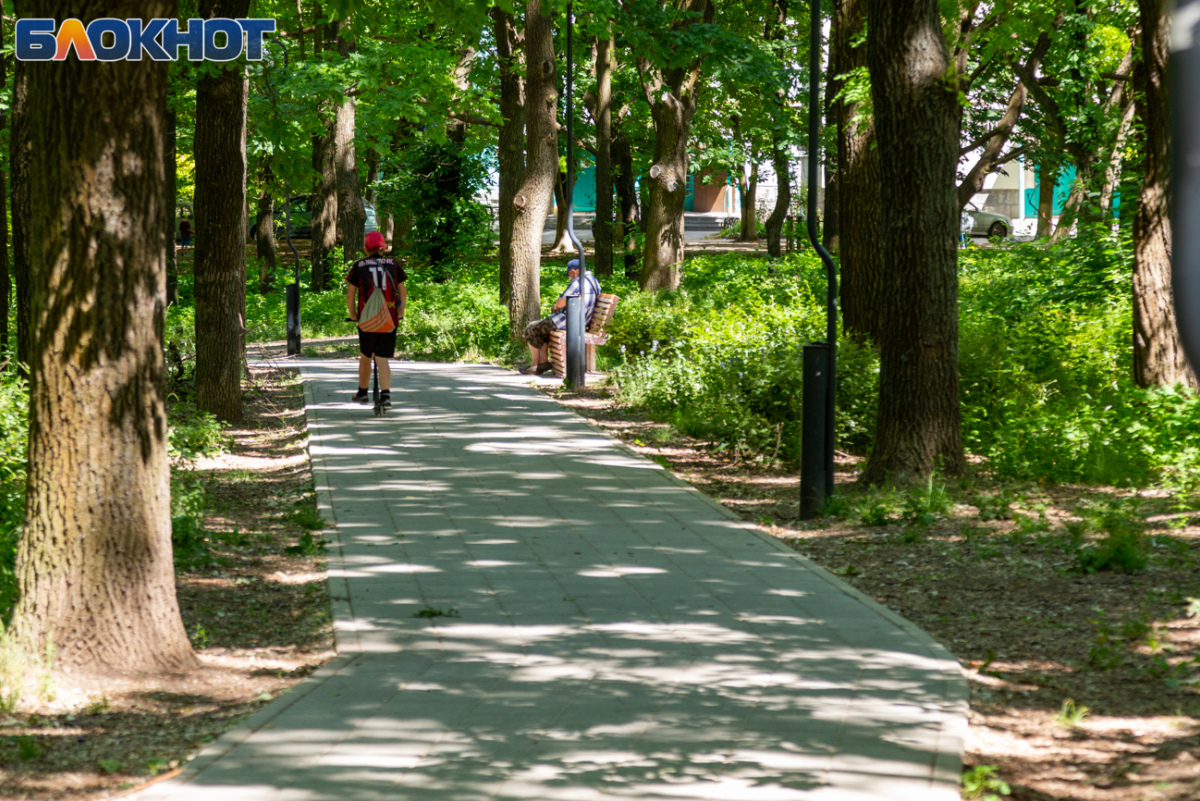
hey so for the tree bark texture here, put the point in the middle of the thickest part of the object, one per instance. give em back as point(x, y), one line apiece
point(627, 204)
point(748, 197)
point(94, 563)
point(562, 244)
point(19, 152)
point(541, 167)
point(351, 215)
point(1158, 357)
point(671, 93)
point(1047, 179)
point(602, 229)
point(512, 137)
point(859, 240)
point(917, 121)
point(265, 234)
point(324, 204)
point(220, 212)
point(831, 230)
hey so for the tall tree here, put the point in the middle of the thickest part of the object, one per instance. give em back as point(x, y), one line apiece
point(917, 118)
point(774, 31)
point(602, 229)
point(351, 215)
point(859, 215)
point(264, 229)
point(541, 166)
point(220, 205)
point(669, 82)
point(1158, 357)
point(5, 278)
point(511, 154)
point(94, 561)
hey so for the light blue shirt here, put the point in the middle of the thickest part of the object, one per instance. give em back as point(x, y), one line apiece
point(591, 291)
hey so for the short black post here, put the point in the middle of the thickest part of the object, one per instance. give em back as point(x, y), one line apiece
point(813, 478)
point(293, 319)
point(576, 358)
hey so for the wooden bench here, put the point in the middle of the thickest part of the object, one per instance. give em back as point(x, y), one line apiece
point(596, 334)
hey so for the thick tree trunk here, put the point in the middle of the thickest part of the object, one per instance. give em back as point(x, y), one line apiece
point(662, 260)
point(220, 211)
point(627, 202)
point(860, 218)
point(917, 120)
point(541, 167)
point(602, 229)
point(671, 94)
point(748, 195)
point(94, 562)
point(512, 138)
point(19, 153)
point(324, 204)
point(1047, 179)
point(352, 217)
point(1158, 357)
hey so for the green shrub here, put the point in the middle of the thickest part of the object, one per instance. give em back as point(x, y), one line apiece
point(14, 414)
point(189, 539)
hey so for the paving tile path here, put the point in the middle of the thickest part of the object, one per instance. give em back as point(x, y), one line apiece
point(527, 610)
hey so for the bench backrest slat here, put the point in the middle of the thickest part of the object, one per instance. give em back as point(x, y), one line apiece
point(606, 305)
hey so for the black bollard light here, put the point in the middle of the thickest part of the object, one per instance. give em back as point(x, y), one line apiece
point(576, 360)
point(813, 472)
point(1185, 174)
point(826, 378)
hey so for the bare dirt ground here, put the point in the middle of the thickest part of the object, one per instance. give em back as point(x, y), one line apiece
point(1083, 685)
point(257, 615)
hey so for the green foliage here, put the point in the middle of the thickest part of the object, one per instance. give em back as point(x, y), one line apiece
point(1046, 377)
point(721, 356)
point(14, 412)
point(28, 747)
point(189, 538)
point(980, 783)
point(1122, 546)
point(1071, 714)
point(307, 545)
point(194, 434)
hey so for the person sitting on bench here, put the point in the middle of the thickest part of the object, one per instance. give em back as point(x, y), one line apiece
point(537, 333)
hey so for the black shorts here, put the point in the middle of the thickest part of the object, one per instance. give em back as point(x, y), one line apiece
point(376, 343)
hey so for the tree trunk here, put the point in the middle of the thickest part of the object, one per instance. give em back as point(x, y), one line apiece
point(19, 154)
point(775, 29)
point(170, 180)
point(1158, 357)
point(783, 200)
point(220, 211)
point(662, 260)
point(627, 201)
point(562, 244)
point(1112, 169)
point(671, 94)
point(1076, 200)
point(860, 217)
point(748, 195)
point(352, 217)
point(1047, 179)
point(94, 562)
point(324, 204)
point(602, 229)
point(512, 138)
point(371, 194)
point(917, 120)
point(265, 238)
point(5, 277)
point(541, 167)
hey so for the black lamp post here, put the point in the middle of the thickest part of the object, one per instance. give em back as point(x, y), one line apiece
point(820, 358)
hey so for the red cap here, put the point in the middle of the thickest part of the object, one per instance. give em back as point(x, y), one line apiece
point(375, 241)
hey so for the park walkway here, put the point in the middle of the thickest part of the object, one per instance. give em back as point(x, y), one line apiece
point(609, 632)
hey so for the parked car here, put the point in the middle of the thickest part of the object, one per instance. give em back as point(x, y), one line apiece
point(986, 223)
point(301, 215)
